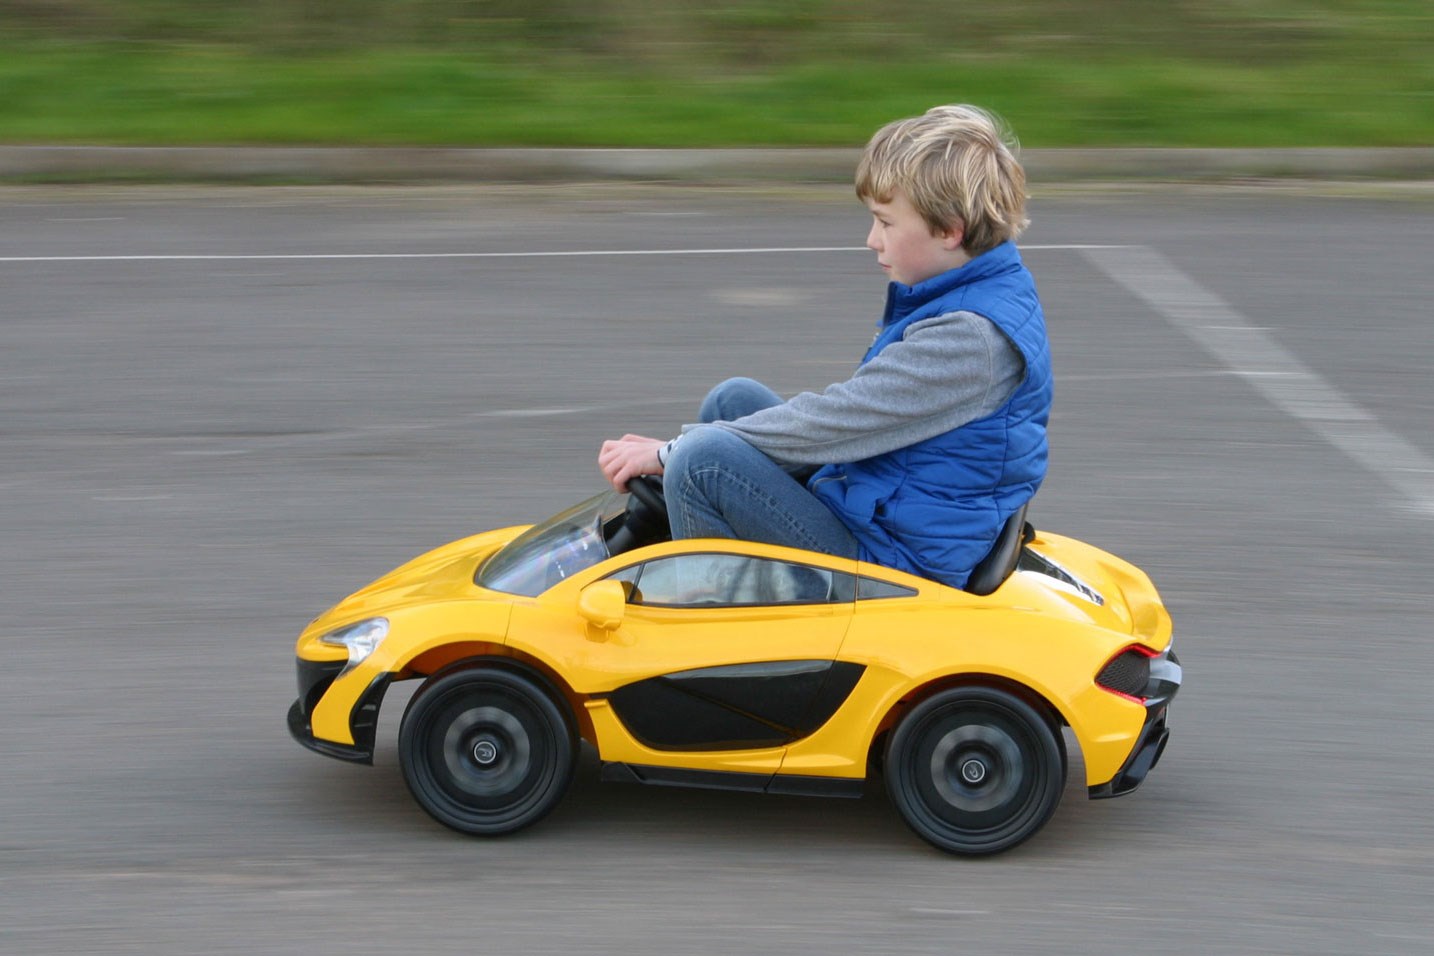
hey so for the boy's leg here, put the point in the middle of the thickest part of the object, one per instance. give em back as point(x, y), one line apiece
point(718, 486)
point(736, 398)
point(739, 397)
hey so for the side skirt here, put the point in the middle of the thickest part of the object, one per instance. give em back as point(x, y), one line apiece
point(790, 783)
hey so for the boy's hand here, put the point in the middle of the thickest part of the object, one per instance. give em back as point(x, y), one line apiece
point(627, 457)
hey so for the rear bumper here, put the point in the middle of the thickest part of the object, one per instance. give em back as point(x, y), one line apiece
point(1143, 758)
point(1165, 678)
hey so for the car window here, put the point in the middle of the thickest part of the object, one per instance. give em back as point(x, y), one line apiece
point(733, 580)
point(871, 588)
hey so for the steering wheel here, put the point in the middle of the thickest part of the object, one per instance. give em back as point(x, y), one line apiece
point(647, 489)
point(645, 520)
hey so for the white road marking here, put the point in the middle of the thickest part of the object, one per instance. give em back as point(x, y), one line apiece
point(533, 412)
point(1272, 370)
point(403, 429)
point(531, 254)
point(1246, 349)
point(1141, 376)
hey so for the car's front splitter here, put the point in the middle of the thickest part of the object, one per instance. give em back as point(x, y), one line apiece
point(302, 732)
point(315, 678)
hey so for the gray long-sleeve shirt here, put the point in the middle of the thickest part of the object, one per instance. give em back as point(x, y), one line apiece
point(946, 371)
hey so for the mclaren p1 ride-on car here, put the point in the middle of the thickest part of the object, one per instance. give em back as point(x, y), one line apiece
point(740, 665)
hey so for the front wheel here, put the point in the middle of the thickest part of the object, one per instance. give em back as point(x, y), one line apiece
point(486, 751)
point(974, 770)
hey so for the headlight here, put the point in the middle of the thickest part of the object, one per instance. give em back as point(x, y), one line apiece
point(361, 639)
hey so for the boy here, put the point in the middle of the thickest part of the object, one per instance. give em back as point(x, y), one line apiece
point(940, 434)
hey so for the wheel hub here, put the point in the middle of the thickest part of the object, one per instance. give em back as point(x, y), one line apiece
point(485, 751)
point(976, 768)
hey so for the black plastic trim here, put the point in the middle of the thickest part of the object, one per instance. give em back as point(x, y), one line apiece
point(302, 732)
point(1143, 757)
point(735, 707)
point(841, 680)
point(799, 785)
point(363, 721)
point(788, 784)
point(314, 680)
point(1127, 673)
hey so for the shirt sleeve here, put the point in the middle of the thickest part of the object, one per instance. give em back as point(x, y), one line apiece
point(946, 371)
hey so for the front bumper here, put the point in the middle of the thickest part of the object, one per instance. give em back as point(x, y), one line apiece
point(315, 678)
point(1164, 682)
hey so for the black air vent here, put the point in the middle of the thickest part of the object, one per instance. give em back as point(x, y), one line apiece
point(1128, 673)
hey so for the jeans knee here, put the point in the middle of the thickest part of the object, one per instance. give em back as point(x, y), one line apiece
point(699, 448)
point(735, 398)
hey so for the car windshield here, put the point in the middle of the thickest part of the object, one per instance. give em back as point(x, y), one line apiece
point(549, 552)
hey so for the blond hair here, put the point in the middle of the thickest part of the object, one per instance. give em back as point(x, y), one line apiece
point(957, 165)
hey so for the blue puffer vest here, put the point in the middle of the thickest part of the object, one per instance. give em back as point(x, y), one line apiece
point(934, 508)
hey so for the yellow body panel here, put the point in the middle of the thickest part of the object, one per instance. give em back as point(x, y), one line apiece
point(1032, 632)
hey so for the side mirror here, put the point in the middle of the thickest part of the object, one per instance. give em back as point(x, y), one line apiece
point(603, 603)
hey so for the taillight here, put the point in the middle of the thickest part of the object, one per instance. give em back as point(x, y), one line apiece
point(1127, 674)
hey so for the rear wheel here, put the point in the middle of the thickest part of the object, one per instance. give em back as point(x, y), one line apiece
point(975, 770)
point(486, 751)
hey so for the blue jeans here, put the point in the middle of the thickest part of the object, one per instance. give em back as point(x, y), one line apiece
point(718, 486)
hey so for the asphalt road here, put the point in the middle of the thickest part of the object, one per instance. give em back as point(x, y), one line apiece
point(201, 453)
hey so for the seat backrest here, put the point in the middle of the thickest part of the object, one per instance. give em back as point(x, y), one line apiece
point(1000, 561)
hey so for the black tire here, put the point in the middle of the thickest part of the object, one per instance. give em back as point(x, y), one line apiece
point(486, 751)
point(975, 770)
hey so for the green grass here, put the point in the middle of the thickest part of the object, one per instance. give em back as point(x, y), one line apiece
point(781, 72)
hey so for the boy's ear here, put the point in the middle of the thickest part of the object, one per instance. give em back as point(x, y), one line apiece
point(952, 236)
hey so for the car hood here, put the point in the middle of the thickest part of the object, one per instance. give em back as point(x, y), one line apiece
point(445, 573)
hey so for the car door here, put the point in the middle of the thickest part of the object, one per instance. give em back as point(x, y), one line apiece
point(727, 651)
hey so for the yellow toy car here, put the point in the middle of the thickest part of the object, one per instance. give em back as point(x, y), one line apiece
point(738, 665)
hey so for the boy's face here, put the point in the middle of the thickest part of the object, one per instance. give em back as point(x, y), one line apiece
point(904, 244)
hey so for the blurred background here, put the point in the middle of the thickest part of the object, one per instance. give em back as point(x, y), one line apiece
point(222, 408)
point(684, 73)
